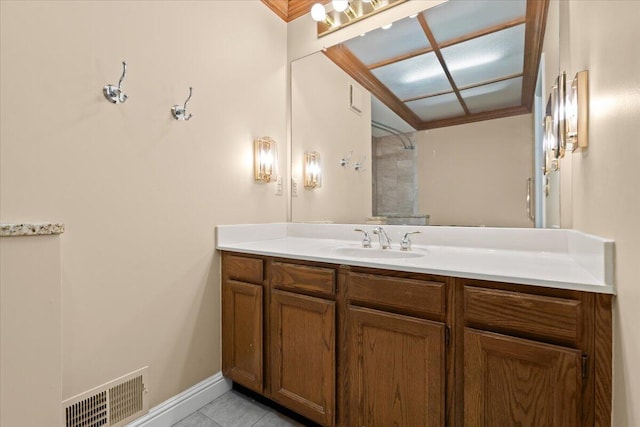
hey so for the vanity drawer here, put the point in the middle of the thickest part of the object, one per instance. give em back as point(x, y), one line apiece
point(303, 278)
point(536, 316)
point(243, 269)
point(398, 294)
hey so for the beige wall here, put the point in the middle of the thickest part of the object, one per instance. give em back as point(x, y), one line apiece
point(322, 121)
point(139, 192)
point(475, 174)
point(30, 331)
point(603, 38)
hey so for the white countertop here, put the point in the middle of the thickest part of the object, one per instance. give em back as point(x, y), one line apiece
point(565, 259)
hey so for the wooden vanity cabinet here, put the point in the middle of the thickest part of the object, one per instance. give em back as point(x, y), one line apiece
point(511, 381)
point(529, 356)
point(303, 340)
point(395, 351)
point(352, 346)
point(242, 320)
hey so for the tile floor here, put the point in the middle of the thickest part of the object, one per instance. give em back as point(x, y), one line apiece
point(234, 409)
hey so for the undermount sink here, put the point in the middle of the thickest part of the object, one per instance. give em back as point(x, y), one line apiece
point(376, 253)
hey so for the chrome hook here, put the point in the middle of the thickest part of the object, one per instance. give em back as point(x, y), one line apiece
point(360, 166)
point(346, 161)
point(113, 93)
point(179, 112)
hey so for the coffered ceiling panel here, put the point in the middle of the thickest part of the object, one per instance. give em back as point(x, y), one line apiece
point(463, 17)
point(486, 58)
point(459, 62)
point(404, 36)
point(418, 76)
point(506, 93)
point(437, 107)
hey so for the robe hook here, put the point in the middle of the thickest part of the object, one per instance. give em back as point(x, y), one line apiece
point(114, 93)
point(179, 112)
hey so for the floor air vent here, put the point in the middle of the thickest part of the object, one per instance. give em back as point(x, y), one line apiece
point(112, 404)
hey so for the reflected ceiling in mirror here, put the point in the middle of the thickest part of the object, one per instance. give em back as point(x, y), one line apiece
point(459, 62)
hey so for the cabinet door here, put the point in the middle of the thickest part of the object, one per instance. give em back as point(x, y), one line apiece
point(303, 355)
point(397, 370)
point(242, 341)
point(515, 382)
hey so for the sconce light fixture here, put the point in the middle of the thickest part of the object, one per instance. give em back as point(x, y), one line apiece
point(577, 110)
point(312, 170)
point(265, 159)
point(345, 12)
point(550, 145)
point(560, 114)
point(565, 124)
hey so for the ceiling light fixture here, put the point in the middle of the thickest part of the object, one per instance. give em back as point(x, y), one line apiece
point(340, 5)
point(344, 12)
point(319, 14)
point(386, 27)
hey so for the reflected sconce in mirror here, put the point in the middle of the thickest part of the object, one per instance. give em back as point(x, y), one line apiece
point(577, 112)
point(312, 170)
point(550, 145)
point(559, 115)
point(341, 13)
point(265, 159)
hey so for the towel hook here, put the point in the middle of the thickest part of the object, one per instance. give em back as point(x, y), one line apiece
point(179, 112)
point(113, 93)
point(360, 166)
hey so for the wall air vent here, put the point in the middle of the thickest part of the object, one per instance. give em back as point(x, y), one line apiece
point(112, 404)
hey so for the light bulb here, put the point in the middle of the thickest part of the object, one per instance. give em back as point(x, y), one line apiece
point(340, 5)
point(318, 13)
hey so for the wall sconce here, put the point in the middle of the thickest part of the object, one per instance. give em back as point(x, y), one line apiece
point(346, 12)
point(559, 115)
point(577, 109)
point(312, 170)
point(550, 146)
point(265, 159)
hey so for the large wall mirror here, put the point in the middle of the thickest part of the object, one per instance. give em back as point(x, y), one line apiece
point(435, 120)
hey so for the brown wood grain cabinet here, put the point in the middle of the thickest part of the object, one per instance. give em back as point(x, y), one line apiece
point(303, 365)
point(514, 382)
point(353, 346)
point(396, 370)
point(242, 322)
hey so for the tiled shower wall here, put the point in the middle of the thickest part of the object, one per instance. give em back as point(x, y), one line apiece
point(395, 172)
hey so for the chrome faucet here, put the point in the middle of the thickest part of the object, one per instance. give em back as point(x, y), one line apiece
point(366, 240)
point(405, 244)
point(385, 241)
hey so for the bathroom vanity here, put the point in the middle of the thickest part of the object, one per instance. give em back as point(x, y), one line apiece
point(434, 336)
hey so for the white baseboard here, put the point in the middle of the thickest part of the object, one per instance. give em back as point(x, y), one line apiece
point(179, 406)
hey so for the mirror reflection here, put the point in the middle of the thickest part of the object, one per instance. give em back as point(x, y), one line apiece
point(432, 121)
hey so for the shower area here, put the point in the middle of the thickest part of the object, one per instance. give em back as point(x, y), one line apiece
point(395, 176)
